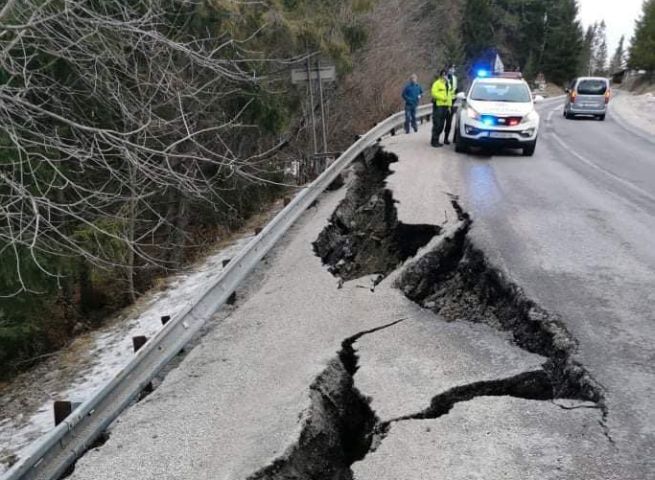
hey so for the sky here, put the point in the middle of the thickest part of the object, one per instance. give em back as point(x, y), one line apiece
point(619, 15)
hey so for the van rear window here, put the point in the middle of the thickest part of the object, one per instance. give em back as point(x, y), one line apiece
point(592, 87)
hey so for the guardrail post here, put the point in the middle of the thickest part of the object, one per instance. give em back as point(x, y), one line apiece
point(226, 262)
point(258, 230)
point(62, 409)
point(287, 201)
point(165, 319)
point(232, 299)
point(393, 132)
point(138, 342)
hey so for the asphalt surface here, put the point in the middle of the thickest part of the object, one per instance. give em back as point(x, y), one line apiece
point(573, 226)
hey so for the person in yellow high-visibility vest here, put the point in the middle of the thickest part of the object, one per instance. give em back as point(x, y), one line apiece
point(440, 107)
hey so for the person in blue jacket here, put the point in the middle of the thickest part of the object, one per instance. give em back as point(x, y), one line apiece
point(412, 95)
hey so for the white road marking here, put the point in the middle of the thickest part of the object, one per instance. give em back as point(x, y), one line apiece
point(621, 180)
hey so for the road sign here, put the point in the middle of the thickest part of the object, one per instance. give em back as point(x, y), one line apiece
point(325, 74)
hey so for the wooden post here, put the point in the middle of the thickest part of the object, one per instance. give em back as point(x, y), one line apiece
point(62, 409)
point(138, 342)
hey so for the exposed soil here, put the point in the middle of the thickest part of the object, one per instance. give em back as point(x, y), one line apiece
point(364, 235)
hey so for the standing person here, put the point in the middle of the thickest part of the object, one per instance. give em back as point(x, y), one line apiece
point(412, 95)
point(451, 80)
point(439, 107)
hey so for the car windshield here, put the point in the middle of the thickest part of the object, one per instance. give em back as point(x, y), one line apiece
point(592, 87)
point(501, 92)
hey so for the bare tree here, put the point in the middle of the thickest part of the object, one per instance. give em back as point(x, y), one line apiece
point(114, 115)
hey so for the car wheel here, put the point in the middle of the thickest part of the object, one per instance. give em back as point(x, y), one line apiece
point(457, 140)
point(528, 150)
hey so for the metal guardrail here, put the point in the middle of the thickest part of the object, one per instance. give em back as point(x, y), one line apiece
point(50, 456)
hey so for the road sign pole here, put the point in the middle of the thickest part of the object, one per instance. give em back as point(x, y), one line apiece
point(320, 91)
point(311, 103)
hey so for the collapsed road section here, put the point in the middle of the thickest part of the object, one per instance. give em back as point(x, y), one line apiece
point(449, 277)
point(364, 235)
point(286, 388)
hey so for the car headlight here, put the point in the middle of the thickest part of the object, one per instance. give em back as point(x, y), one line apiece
point(472, 114)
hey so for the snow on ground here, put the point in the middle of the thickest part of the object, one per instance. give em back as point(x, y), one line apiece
point(94, 358)
point(635, 110)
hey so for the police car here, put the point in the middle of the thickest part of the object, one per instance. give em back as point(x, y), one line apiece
point(498, 111)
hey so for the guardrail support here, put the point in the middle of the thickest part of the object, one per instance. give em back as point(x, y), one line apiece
point(258, 230)
point(232, 299)
point(165, 319)
point(62, 409)
point(226, 262)
point(138, 342)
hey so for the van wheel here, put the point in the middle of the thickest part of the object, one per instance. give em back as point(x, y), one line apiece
point(567, 115)
point(528, 150)
point(601, 117)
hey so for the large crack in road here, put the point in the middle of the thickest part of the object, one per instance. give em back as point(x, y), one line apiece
point(440, 270)
point(364, 236)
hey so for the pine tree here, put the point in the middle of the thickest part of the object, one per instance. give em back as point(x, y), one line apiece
point(587, 51)
point(618, 59)
point(563, 41)
point(642, 51)
point(477, 28)
point(600, 51)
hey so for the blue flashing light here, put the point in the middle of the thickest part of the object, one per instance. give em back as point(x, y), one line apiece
point(483, 73)
point(488, 120)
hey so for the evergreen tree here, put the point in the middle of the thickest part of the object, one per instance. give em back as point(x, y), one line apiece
point(587, 51)
point(600, 51)
point(477, 28)
point(563, 41)
point(453, 49)
point(618, 59)
point(642, 51)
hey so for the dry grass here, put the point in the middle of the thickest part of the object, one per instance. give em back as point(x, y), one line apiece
point(399, 44)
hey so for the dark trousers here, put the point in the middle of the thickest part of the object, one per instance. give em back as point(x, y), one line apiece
point(449, 122)
point(438, 122)
point(410, 118)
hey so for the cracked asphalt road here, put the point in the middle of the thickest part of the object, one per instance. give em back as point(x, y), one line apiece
point(574, 227)
point(574, 236)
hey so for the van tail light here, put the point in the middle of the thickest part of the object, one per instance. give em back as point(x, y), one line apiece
point(574, 95)
point(607, 96)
